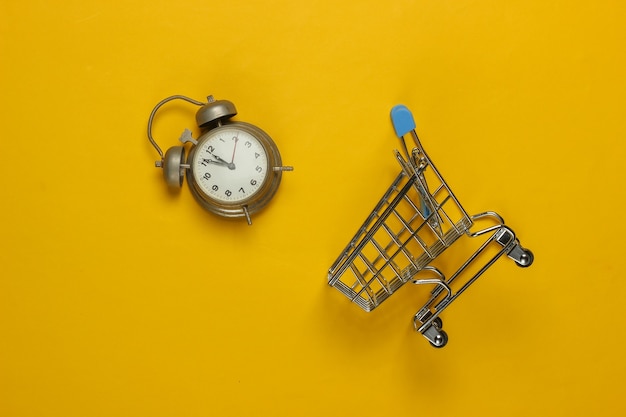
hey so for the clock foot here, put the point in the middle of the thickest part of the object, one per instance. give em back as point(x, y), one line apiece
point(245, 212)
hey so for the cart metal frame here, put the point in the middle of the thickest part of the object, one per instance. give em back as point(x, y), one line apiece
point(415, 221)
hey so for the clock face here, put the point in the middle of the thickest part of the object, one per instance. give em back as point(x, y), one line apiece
point(230, 165)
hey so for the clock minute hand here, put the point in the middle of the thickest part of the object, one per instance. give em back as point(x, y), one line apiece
point(220, 161)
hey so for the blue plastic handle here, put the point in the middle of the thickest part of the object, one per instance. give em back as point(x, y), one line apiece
point(402, 120)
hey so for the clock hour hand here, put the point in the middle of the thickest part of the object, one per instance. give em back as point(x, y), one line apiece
point(220, 161)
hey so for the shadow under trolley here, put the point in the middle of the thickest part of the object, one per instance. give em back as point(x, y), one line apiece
point(414, 222)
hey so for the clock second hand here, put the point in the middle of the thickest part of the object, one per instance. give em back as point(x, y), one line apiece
point(232, 160)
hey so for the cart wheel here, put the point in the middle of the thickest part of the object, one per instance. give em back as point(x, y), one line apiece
point(438, 323)
point(441, 340)
point(526, 259)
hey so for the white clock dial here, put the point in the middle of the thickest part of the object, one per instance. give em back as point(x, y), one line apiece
point(230, 165)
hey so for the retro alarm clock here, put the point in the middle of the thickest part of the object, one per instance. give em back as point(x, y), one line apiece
point(233, 169)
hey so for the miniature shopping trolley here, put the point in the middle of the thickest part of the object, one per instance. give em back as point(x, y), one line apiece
point(416, 220)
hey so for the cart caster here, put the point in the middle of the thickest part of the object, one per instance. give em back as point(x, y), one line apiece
point(440, 340)
point(521, 256)
point(526, 259)
point(438, 323)
point(434, 334)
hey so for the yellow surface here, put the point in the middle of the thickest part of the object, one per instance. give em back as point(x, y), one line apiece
point(119, 298)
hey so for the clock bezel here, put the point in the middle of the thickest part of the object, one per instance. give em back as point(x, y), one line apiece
point(263, 195)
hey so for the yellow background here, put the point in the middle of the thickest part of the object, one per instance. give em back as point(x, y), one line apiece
point(119, 298)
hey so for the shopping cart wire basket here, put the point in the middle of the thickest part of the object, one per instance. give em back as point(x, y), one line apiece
point(414, 222)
